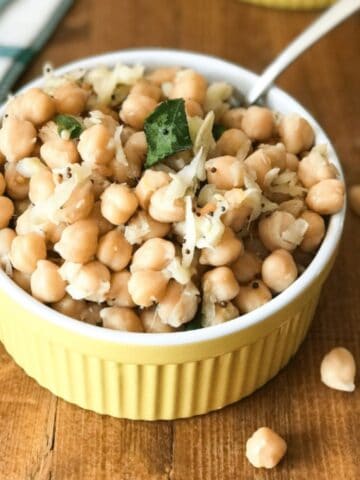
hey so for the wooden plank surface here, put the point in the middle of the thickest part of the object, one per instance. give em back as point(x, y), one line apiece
point(44, 438)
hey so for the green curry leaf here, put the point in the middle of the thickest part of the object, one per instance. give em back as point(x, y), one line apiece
point(70, 124)
point(167, 131)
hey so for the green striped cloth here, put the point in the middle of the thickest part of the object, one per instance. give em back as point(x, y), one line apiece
point(25, 26)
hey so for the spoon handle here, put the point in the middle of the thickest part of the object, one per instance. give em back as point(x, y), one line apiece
point(326, 22)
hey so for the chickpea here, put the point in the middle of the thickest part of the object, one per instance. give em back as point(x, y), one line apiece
point(220, 285)
point(276, 154)
point(296, 133)
point(26, 251)
point(315, 167)
point(326, 197)
point(294, 206)
point(259, 164)
point(136, 108)
point(148, 184)
point(104, 225)
point(164, 211)
point(90, 282)
point(121, 318)
point(354, 197)
point(233, 118)
point(147, 287)
point(221, 313)
point(225, 252)
point(271, 230)
point(154, 254)
point(17, 139)
point(41, 186)
point(162, 75)
point(279, 270)
point(142, 227)
point(146, 88)
point(314, 233)
point(338, 369)
point(189, 85)
point(258, 123)
point(238, 212)
point(46, 282)
point(292, 162)
point(225, 172)
point(17, 186)
point(7, 235)
point(6, 211)
point(152, 323)
point(233, 142)
point(96, 145)
point(2, 184)
point(70, 307)
point(265, 448)
point(252, 296)
point(118, 204)
point(246, 267)
point(92, 313)
point(118, 294)
point(79, 205)
point(70, 98)
point(193, 108)
point(179, 304)
point(135, 150)
point(34, 105)
point(59, 153)
point(114, 250)
point(22, 280)
point(78, 242)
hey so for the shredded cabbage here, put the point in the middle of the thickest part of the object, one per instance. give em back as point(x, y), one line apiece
point(204, 139)
point(96, 117)
point(295, 232)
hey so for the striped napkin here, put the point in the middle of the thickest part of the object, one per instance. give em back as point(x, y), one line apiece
point(25, 26)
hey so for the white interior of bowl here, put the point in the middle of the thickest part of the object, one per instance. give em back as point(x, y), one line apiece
point(214, 69)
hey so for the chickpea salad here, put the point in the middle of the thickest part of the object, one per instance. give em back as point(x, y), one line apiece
point(150, 201)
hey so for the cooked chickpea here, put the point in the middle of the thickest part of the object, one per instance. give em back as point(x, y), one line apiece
point(152, 322)
point(162, 75)
point(314, 233)
point(34, 105)
point(96, 145)
point(154, 254)
point(276, 154)
point(238, 213)
point(135, 152)
point(225, 172)
point(338, 370)
point(41, 186)
point(233, 118)
point(17, 139)
point(118, 204)
point(165, 211)
point(233, 142)
point(252, 296)
point(119, 295)
point(296, 133)
point(91, 282)
point(292, 162)
point(121, 318)
point(315, 167)
point(294, 206)
point(258, 123)
point(147, 287)
point(148, 184)
point(46, 282)
point(271, 230)
point(136, 108)
point(78, 242)
point(22, 280)
point(193, 108)
point(104, 225)
point(326, 197)
point(354, 198)
point(79, 205)
point(220, 285)
point(246, 267)
point(7, 235)
point(189, 85)
point(279, 270)
point(114, 250)
point(259, 164)
point(59, 153)
point(26, 251)
point(225, 252)
point(2, 184)
point(70, 307)
point(146, 88)
point(17, 186)
point(70, 98)
point(91, 314)
point(179, 304)
point(6, 211)
point(265, 448)
point(142, 227)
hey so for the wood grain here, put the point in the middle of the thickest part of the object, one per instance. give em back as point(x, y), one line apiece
point(43, 438)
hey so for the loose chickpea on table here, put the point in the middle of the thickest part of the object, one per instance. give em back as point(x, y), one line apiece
point(111, 215)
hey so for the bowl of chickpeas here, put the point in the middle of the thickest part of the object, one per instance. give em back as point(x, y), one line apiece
point(162, 245)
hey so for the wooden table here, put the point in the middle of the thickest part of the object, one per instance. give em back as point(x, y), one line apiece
point(42, 437)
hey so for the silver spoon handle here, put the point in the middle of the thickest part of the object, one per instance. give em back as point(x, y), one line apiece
point(326, 22)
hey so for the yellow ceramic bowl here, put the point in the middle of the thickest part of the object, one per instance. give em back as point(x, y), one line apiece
point(167, 376)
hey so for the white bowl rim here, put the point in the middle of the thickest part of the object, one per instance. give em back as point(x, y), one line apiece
point(157, 56)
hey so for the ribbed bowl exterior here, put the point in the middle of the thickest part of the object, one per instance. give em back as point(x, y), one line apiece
point(292, 4)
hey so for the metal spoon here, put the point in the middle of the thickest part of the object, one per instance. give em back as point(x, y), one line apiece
point(336, 14)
